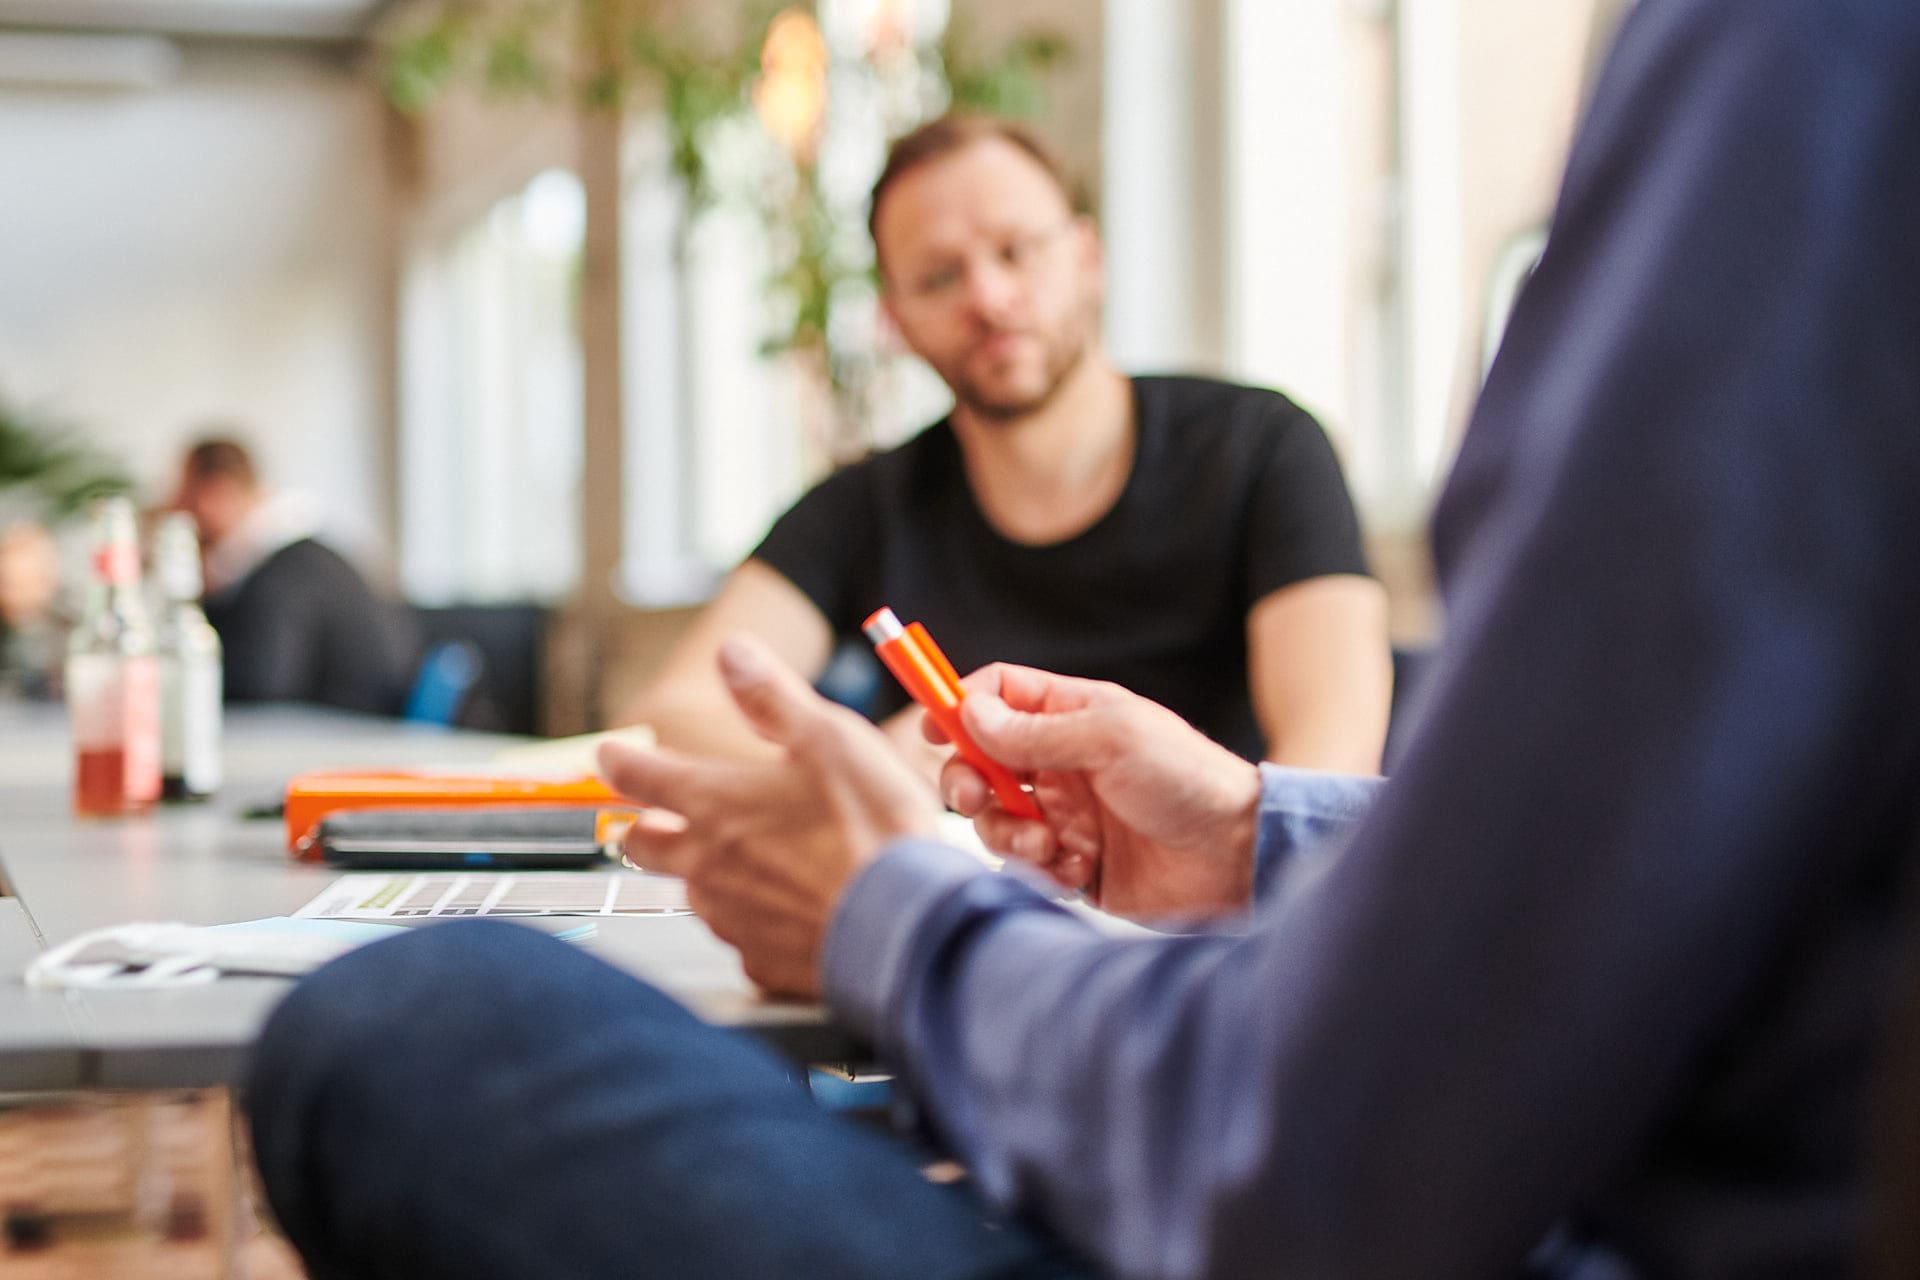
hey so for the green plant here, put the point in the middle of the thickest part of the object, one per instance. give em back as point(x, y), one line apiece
point(1009, 82)
point(700, 86)
point(601, 54)
point(598, 53)
point(50, 464)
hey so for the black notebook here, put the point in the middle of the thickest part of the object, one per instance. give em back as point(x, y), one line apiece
point(457, 839)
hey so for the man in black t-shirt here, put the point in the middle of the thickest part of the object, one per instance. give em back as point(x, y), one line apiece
point(1189, 539)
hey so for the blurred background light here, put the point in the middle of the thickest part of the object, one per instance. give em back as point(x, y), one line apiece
point(553, 211)
point(791, 96)
point(59, 60)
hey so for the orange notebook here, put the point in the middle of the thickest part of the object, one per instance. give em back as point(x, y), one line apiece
point(312, 796)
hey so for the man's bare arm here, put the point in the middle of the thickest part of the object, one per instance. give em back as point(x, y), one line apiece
point(686, 703)
point(1320, 671)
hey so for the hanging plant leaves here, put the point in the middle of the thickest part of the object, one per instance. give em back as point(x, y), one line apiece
point(703, 74)
point(50, 462)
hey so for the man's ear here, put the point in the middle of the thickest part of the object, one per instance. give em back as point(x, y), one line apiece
point(1093, 255)
point(1092, 249)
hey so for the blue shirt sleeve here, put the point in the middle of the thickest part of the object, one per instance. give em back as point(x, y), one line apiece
point(1305, 817)
point(1606, 949)
point(1305, 814)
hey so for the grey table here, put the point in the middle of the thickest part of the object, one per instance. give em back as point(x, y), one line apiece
point(205, 864)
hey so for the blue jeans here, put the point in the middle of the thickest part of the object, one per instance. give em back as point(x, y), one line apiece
point(475, 1100)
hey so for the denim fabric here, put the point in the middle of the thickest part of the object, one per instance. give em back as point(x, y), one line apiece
point(476, 1100)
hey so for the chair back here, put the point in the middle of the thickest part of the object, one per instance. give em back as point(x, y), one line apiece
point(509, 692)
point(447, 675)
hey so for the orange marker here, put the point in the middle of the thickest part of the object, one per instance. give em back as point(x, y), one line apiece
point(925, 673)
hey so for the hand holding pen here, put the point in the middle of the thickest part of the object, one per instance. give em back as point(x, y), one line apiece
point(923, 670)
point(1144, 814)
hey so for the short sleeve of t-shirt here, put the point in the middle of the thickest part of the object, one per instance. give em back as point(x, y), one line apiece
point(824, 539)
point(1301, 523)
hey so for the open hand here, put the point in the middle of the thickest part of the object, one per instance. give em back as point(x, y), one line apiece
point(767, 847)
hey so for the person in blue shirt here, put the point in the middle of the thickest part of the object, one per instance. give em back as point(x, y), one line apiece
point(1596, 985)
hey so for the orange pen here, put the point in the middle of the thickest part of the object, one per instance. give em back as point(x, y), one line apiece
point(925, 673)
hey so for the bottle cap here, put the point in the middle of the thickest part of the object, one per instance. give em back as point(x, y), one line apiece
point(116, 542)
point(176, 557)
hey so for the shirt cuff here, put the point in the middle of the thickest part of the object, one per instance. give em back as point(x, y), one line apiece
point(870, 939)
point(1304, 814)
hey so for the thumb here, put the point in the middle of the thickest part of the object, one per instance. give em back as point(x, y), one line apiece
point(1029, 741)
point(776, 701)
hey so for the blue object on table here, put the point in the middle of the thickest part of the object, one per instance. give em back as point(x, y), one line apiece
point(447, 674)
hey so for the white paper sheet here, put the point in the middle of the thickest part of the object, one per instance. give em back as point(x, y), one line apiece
point(408, 895)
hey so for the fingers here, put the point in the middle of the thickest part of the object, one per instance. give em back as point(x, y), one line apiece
point(680, 798)
point(1021, 838)
point(930, 730)
point(962, 789)
point(989, 680)
point(1023, 687)
point(824, 739)
point(777, 702)
point(653, 778)
point(1034, 844)
point(660, 842)
point(1027, 741)
point(1013, 837)
point(1071, 847)
point(1075, 871)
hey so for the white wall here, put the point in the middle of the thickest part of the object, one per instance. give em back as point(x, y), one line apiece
point(1161, 200)
point(206, 250)
point(1234, 207)
point(1289, 209)
point(1522, 67)
point(1298, 198)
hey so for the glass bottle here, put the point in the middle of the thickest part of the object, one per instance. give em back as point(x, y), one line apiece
point(190, 674)
point(113, 677)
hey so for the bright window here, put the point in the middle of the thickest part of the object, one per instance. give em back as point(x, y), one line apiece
point(721, 432)
point(490, 431)
point(712, 435)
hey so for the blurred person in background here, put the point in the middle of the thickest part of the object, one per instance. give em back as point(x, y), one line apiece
point(297, 622)
point(33, 631)
point(1190, 539)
